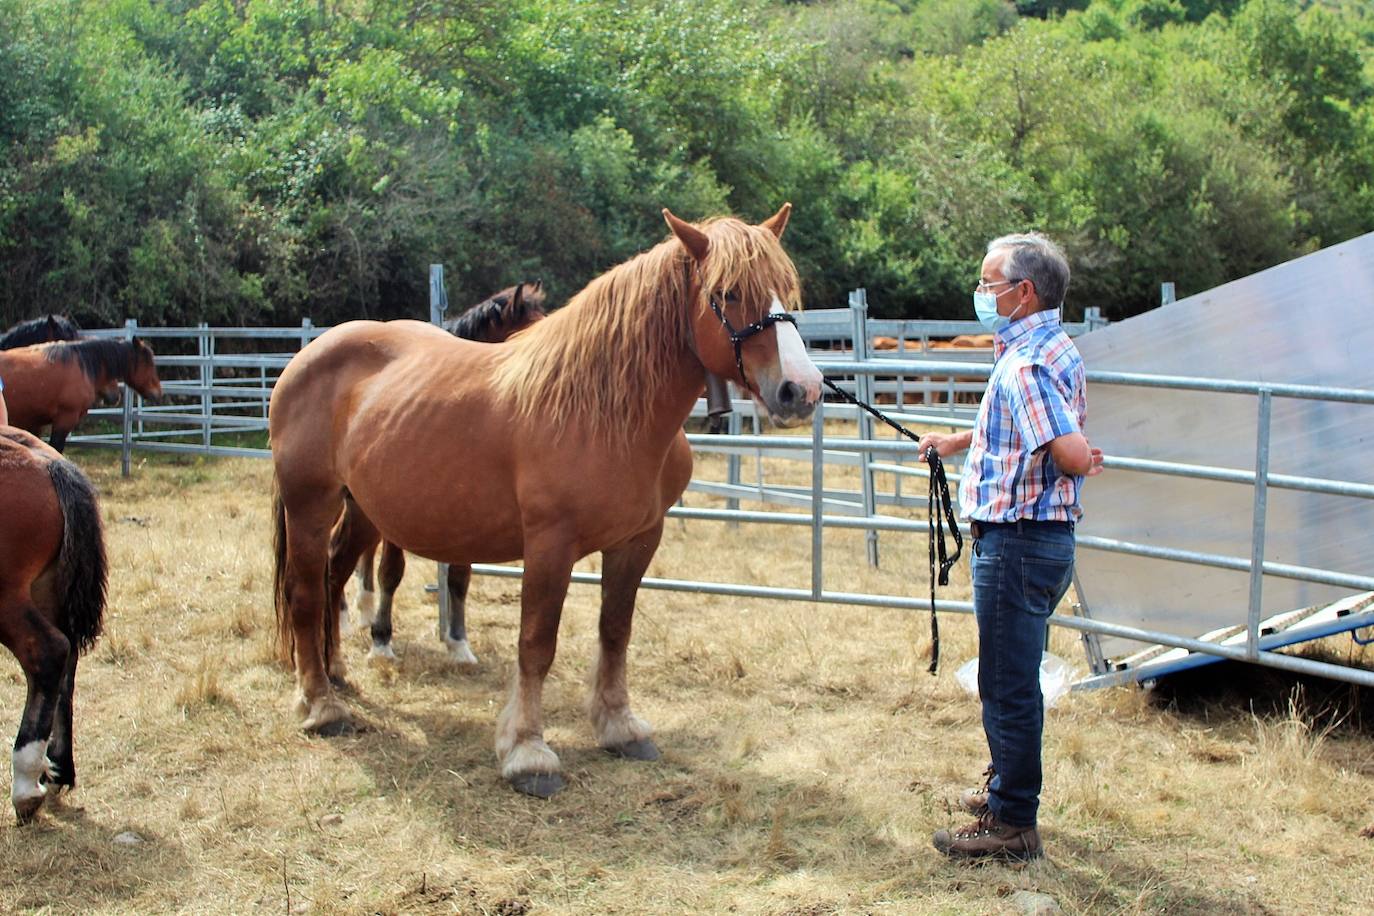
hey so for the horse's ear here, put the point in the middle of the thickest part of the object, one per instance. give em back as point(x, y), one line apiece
point(778, 221)
point(516, 304)
point(692, 238)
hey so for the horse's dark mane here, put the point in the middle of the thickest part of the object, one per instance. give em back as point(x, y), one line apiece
point(40, 330)
point(483, 319)
point(97, 356)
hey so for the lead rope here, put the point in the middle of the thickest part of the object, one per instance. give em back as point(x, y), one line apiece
point(939, 511)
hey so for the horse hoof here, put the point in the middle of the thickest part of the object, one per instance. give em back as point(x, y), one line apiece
point(334, 729)
point(329, 718)
point(460, 652)
point(381, 653)
point(58, 779)
point(26, 808)
point(540, 785)
point(643, 749)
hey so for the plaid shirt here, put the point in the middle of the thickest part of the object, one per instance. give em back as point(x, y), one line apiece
point(1036, 393)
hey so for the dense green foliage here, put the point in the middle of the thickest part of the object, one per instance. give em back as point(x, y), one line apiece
point(256, 161)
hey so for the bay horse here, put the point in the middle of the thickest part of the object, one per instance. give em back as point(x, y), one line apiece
point(52, 599)
point(57, 383)
point(493, 320)
point(571, 440)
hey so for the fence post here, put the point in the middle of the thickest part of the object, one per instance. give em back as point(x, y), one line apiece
point(205, 348)
point(1257, 537)
point(863, 383)
point(438, 304)
point(127, 446)
point(817, 497)
point(732, 474)
point(1166, 292)
point(306, 327)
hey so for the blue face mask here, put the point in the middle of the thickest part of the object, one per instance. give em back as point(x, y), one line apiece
point(985, 307)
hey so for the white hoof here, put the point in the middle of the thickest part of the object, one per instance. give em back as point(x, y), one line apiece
point(381, 653)
point(459, 651)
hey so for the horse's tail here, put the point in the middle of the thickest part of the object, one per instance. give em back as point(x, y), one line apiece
point(286, 641)
point(81, 566)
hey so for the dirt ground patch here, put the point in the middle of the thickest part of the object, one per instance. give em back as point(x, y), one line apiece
point(807, 754)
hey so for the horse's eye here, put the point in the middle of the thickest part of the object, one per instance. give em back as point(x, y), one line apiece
point(731, 296)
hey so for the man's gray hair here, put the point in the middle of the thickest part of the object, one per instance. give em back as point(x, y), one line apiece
point(1031, 256)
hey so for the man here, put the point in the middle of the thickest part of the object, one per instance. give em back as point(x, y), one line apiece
point(1027, 458)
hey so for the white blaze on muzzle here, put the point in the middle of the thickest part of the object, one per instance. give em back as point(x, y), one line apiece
point(793, 360)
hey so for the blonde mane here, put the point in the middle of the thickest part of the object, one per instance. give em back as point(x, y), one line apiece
point(603, 359)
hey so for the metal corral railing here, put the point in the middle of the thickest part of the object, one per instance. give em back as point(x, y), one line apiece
point(246, 398)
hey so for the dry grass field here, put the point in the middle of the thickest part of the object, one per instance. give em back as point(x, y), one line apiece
point(807, 754)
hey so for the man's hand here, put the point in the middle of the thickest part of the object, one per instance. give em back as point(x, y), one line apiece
point(945, 444)
point(1096, 467)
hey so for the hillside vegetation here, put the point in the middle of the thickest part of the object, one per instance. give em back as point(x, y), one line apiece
point(256, 161)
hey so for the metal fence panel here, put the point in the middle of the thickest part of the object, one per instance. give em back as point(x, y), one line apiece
point(1304, 322)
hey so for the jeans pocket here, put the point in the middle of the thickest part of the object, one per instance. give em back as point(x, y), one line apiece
point(1044, 581)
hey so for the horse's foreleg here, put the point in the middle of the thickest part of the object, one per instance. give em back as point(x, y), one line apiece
point(390, 571)
point(619, 730)
point(58, 439)
point(530, 765)
point(61, 762)
point(307, 558)
point(42, 652)
point(459, 578)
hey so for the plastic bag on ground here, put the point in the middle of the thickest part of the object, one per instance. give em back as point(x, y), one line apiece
point(1054, 678)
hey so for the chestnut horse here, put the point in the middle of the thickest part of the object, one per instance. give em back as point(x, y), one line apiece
point(492, 320)
point(52, 598)
point(57, 383)
point(570, 439)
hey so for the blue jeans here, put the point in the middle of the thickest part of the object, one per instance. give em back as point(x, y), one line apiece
point(1019, 575)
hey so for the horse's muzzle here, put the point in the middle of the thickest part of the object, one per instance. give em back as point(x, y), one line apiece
point(788, 403)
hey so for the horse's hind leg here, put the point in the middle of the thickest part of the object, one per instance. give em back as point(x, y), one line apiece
point(619, 730)
point(390, 570)
point(459, 578)
point(61, 762)
point(352, 536)
point(308, 525)
point(367, 590)
point(42, 652)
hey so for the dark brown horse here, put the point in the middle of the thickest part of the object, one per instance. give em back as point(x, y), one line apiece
point(57, 383)
point(570, 437)
point(40, 330)
point(492, 320)
point(52, 599)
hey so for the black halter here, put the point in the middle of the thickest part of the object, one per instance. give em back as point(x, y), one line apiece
point(739, 337)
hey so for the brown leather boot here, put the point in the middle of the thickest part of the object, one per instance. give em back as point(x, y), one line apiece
point(987, 838)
